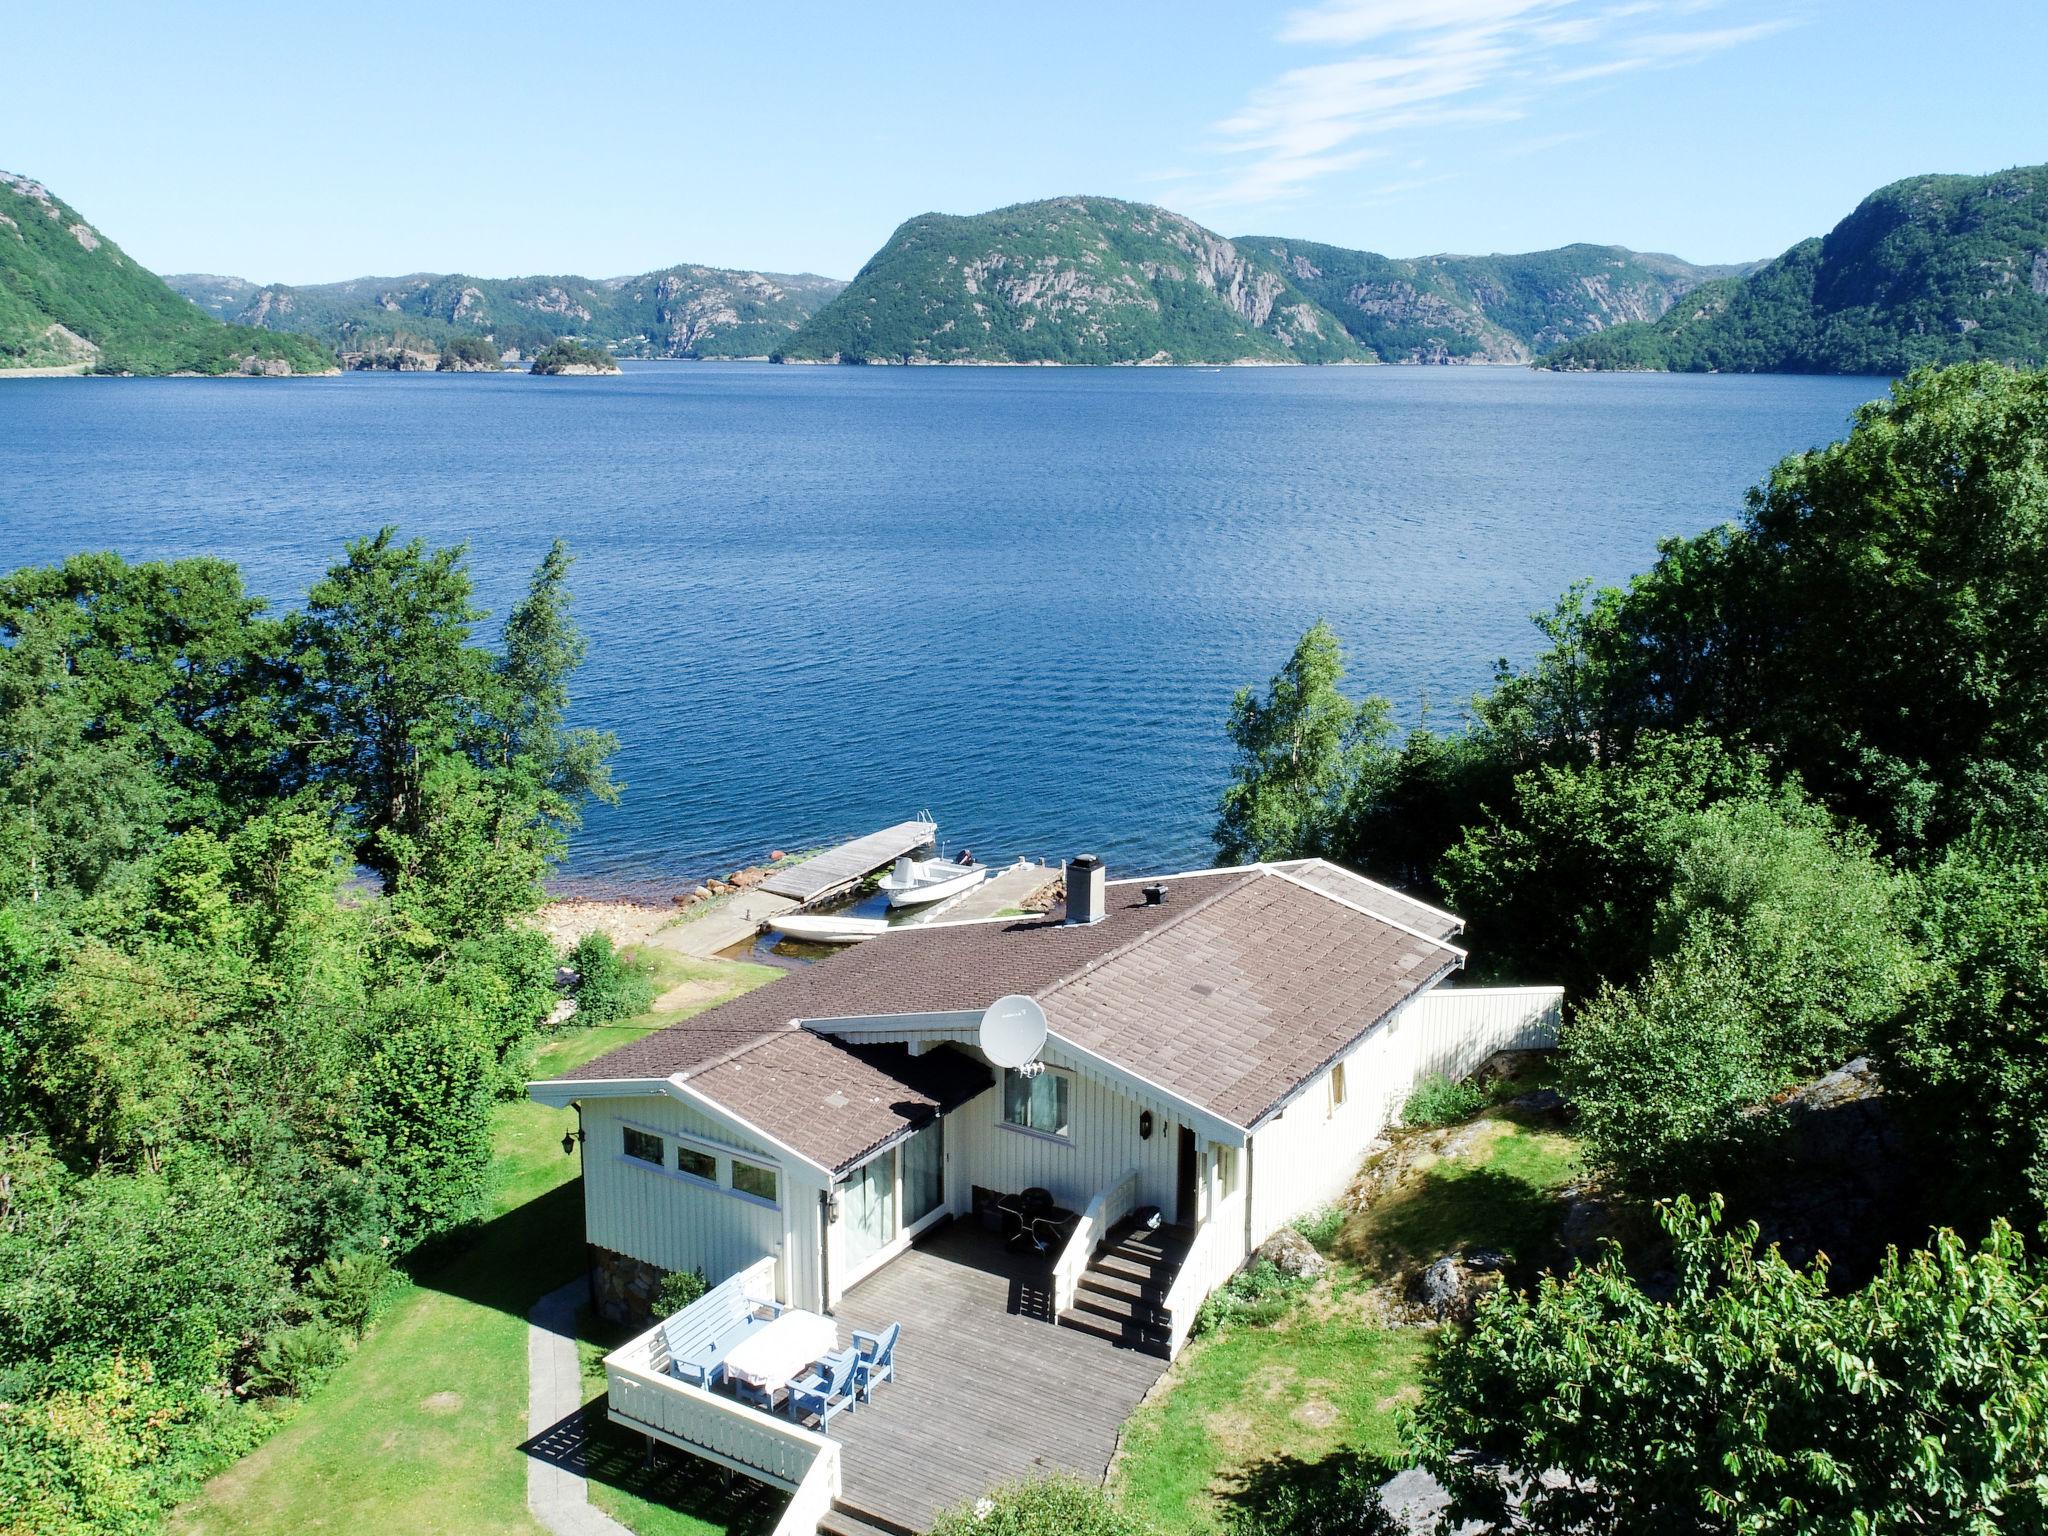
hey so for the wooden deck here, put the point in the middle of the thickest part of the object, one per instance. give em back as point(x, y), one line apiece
point(837, 868)
point(987, 1391)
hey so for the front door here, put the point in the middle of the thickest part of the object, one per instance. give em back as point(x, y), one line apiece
point(1188, 1187)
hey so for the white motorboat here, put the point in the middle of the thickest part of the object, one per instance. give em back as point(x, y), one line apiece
point(920, 882)
point(813, 929)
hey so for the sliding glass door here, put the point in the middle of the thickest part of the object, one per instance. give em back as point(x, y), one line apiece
point(924, 1173)
point(867, 1204)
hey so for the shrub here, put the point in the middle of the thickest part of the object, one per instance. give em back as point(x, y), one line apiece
point(350, 1288)
point(1752, 1402)
point(1662, 1073)
point(1321, 1227)
point(678, 1289)
point(1052, 1506)
point(294, 1360)
point(1437, 1100)
point(1336, 1496)
point(1258, 1294)
point(609, 986)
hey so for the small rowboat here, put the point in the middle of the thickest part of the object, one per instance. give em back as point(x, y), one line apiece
point(812, 929)
point(920, 882)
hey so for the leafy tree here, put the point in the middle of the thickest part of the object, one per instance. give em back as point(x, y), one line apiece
point(1967, 1058)
point(1562, 883)
point(427, 1089)
point(1751, 1401)
point(1298, 751)
point(389, 684)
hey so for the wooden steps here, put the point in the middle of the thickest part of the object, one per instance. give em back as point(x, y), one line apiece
point(1121, 1297)
point(844, 1520)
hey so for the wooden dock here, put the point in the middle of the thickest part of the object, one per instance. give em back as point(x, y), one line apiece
point(838, 869)
point(986, 1392)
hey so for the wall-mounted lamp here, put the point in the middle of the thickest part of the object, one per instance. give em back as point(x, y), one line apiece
point(569, 1140)
point(1145, 1126)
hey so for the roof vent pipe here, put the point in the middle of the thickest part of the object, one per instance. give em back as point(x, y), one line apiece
point(1087, 890)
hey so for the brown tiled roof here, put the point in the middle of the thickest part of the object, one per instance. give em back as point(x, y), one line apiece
point(1230, 994)
point(1335, 880)
point(1250, 995)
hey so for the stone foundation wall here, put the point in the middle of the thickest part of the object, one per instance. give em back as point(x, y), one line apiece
point(622, 1289)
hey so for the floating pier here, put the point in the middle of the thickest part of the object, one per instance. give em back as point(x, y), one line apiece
point(839, 869)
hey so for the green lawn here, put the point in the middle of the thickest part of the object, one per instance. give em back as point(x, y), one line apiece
point(420, 1431)
point(1251, 1403)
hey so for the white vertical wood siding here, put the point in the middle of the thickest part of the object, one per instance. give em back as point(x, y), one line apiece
point(677, 1223)
point(1306, 1157)
point(1103, 1147)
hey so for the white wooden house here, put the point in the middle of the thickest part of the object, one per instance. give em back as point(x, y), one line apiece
point(1222, 1046)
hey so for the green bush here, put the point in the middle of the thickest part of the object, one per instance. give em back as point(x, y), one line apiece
point(350, 1289)
point(297, 1359)
point(1053, 1506)
point(678, 1289)
point(1258, 1294)
point(608, 987)
point(1336, 1496)
point(1752, 1402)
point(1437, 1100)
point(1322, 1226)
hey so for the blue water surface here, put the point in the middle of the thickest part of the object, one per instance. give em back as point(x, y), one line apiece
point(822, 599)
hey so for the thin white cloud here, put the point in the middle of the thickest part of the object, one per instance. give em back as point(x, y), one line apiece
point(1406, 66)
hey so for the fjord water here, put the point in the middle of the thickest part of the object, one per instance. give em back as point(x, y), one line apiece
point(820, 600)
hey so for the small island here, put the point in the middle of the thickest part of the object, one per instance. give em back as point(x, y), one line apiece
point(565, 356)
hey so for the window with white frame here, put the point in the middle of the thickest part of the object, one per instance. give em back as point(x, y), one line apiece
point(1037, 1104)
point(1338, 1088)
point(754, 1179)
point(697, 1163)
point(1226, 1170)
point(644, 1147)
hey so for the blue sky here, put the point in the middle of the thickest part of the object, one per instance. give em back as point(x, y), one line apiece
point(302, 143)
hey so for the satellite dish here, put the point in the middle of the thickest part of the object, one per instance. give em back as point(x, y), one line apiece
point(1012, 1031)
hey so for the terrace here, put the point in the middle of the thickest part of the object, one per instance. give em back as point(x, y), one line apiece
point(986, 1392)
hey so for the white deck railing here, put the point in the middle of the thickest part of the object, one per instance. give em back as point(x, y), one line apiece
point(813, 1498)
point(642, 1395)
point(1185, 1296)
point(1109, 1207)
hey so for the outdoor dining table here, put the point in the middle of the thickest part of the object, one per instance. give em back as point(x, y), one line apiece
point(769, 1357)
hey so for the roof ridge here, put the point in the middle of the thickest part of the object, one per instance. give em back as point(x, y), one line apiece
point(1364, 911)
point(1457, 922)
point(1255, 872)
point(737, 1051)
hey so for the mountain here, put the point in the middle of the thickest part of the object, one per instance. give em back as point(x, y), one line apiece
point(1933, 269)
point(70, 298)
point(1489, 309)
point(685, 311)
point(1097, 280)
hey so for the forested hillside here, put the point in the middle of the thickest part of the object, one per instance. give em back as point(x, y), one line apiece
point(1776, 814)
point(1097, 280)
point(1493, 309)
point(1934, 269)
point(682, 311)
point(71, 298)
point(239, 1081)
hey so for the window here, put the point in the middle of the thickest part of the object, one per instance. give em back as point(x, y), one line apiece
point(753, 1179)
point(644, 1148)
point(698, 1165)
point(1036, 1103)
point(1337, 1088)
point(1226, 1170)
